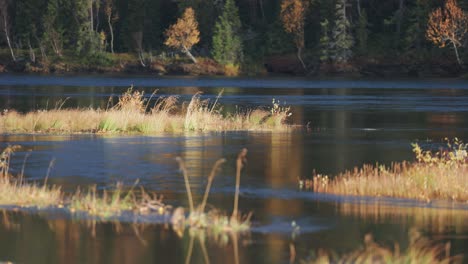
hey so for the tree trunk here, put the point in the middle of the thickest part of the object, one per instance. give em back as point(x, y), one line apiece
point(91, 16)
point(299, 56)
point(401, 7)
point(359, 7)
point(187, 51)
point(456, 53)
point(5, 25)
point(32, 54)
point(111, 32)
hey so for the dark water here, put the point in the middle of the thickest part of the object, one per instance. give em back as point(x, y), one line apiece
point(346, 123)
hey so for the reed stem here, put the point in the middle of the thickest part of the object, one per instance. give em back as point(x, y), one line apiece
point(241, 159)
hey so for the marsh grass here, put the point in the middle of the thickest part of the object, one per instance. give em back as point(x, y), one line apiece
point(112, 203)
point(440, 175)
point(135, 113)
point(420, 250)
point(15, 191)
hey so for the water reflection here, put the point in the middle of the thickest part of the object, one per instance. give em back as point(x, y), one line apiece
point(431, 219)
point(52, 239)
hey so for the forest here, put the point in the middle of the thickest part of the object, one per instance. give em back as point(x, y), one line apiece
point(231, 37)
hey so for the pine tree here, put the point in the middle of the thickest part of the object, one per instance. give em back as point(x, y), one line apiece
point(415, 32)
point(227, 42)
point(342, 38)
point(53, 27)
point(325, 42)
point(362, 33)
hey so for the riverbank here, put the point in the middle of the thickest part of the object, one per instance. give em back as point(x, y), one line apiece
point(170, 64)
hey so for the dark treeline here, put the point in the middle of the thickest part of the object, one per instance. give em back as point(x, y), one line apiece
point(335, 33)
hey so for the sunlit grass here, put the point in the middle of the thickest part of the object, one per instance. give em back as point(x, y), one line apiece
point(113, 203)
point(15, 191)
point(133, 114)
point(420, 250)
point(435, 175)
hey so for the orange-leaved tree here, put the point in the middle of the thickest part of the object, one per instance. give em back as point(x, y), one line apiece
point(448, 26)
point(184, 33)
point(293, 17)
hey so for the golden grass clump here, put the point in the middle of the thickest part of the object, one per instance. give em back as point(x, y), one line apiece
point(114, 203)
point(420, 250)
point(435, 175)
point(15, 191)
point(133, 113)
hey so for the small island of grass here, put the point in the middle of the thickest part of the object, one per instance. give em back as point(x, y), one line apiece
point(133, 113)
point(441, 175)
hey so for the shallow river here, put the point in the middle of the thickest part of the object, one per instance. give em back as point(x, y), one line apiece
point(346, 123)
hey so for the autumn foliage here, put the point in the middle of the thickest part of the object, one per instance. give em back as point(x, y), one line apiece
point(293, 17)
point(448, 26)
point(184, 33)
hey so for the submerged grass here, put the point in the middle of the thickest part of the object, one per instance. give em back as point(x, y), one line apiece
point(420, 250)
point(441, 175)
point(133, 114)
point(213, 221)
point(104, 205)
point(15, 191)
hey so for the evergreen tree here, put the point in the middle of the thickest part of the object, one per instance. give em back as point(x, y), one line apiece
point(227, 42)
point(88, 41)
point(415, 33)
point(362, 33)
point(342, 38)
point(325, 55)
point(54, 27)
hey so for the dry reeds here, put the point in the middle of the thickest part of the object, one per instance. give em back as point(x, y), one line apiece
point(420, 250)
point(213, 220)
point(15, 191)
point(440, 175)
point(133, 113)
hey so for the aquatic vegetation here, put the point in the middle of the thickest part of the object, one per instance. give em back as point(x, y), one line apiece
point(434, 175)
point(135, 113)
point(15, 191)
point(214, 220)
point(107, 204)
point(113, 203)
point(420, 250)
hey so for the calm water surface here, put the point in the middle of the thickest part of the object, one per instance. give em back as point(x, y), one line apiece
point(346, 123)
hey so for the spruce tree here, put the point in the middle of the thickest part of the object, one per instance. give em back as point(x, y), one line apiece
point(325, 42)
point(362, 33)
point(342, 38)
point(415, 33)
point(227, 42)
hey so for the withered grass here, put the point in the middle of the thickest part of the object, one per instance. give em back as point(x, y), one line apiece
point(134, 114)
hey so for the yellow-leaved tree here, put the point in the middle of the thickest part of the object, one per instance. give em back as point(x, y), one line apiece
point(184, 33)
point(293, 17)
point(448, 26)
